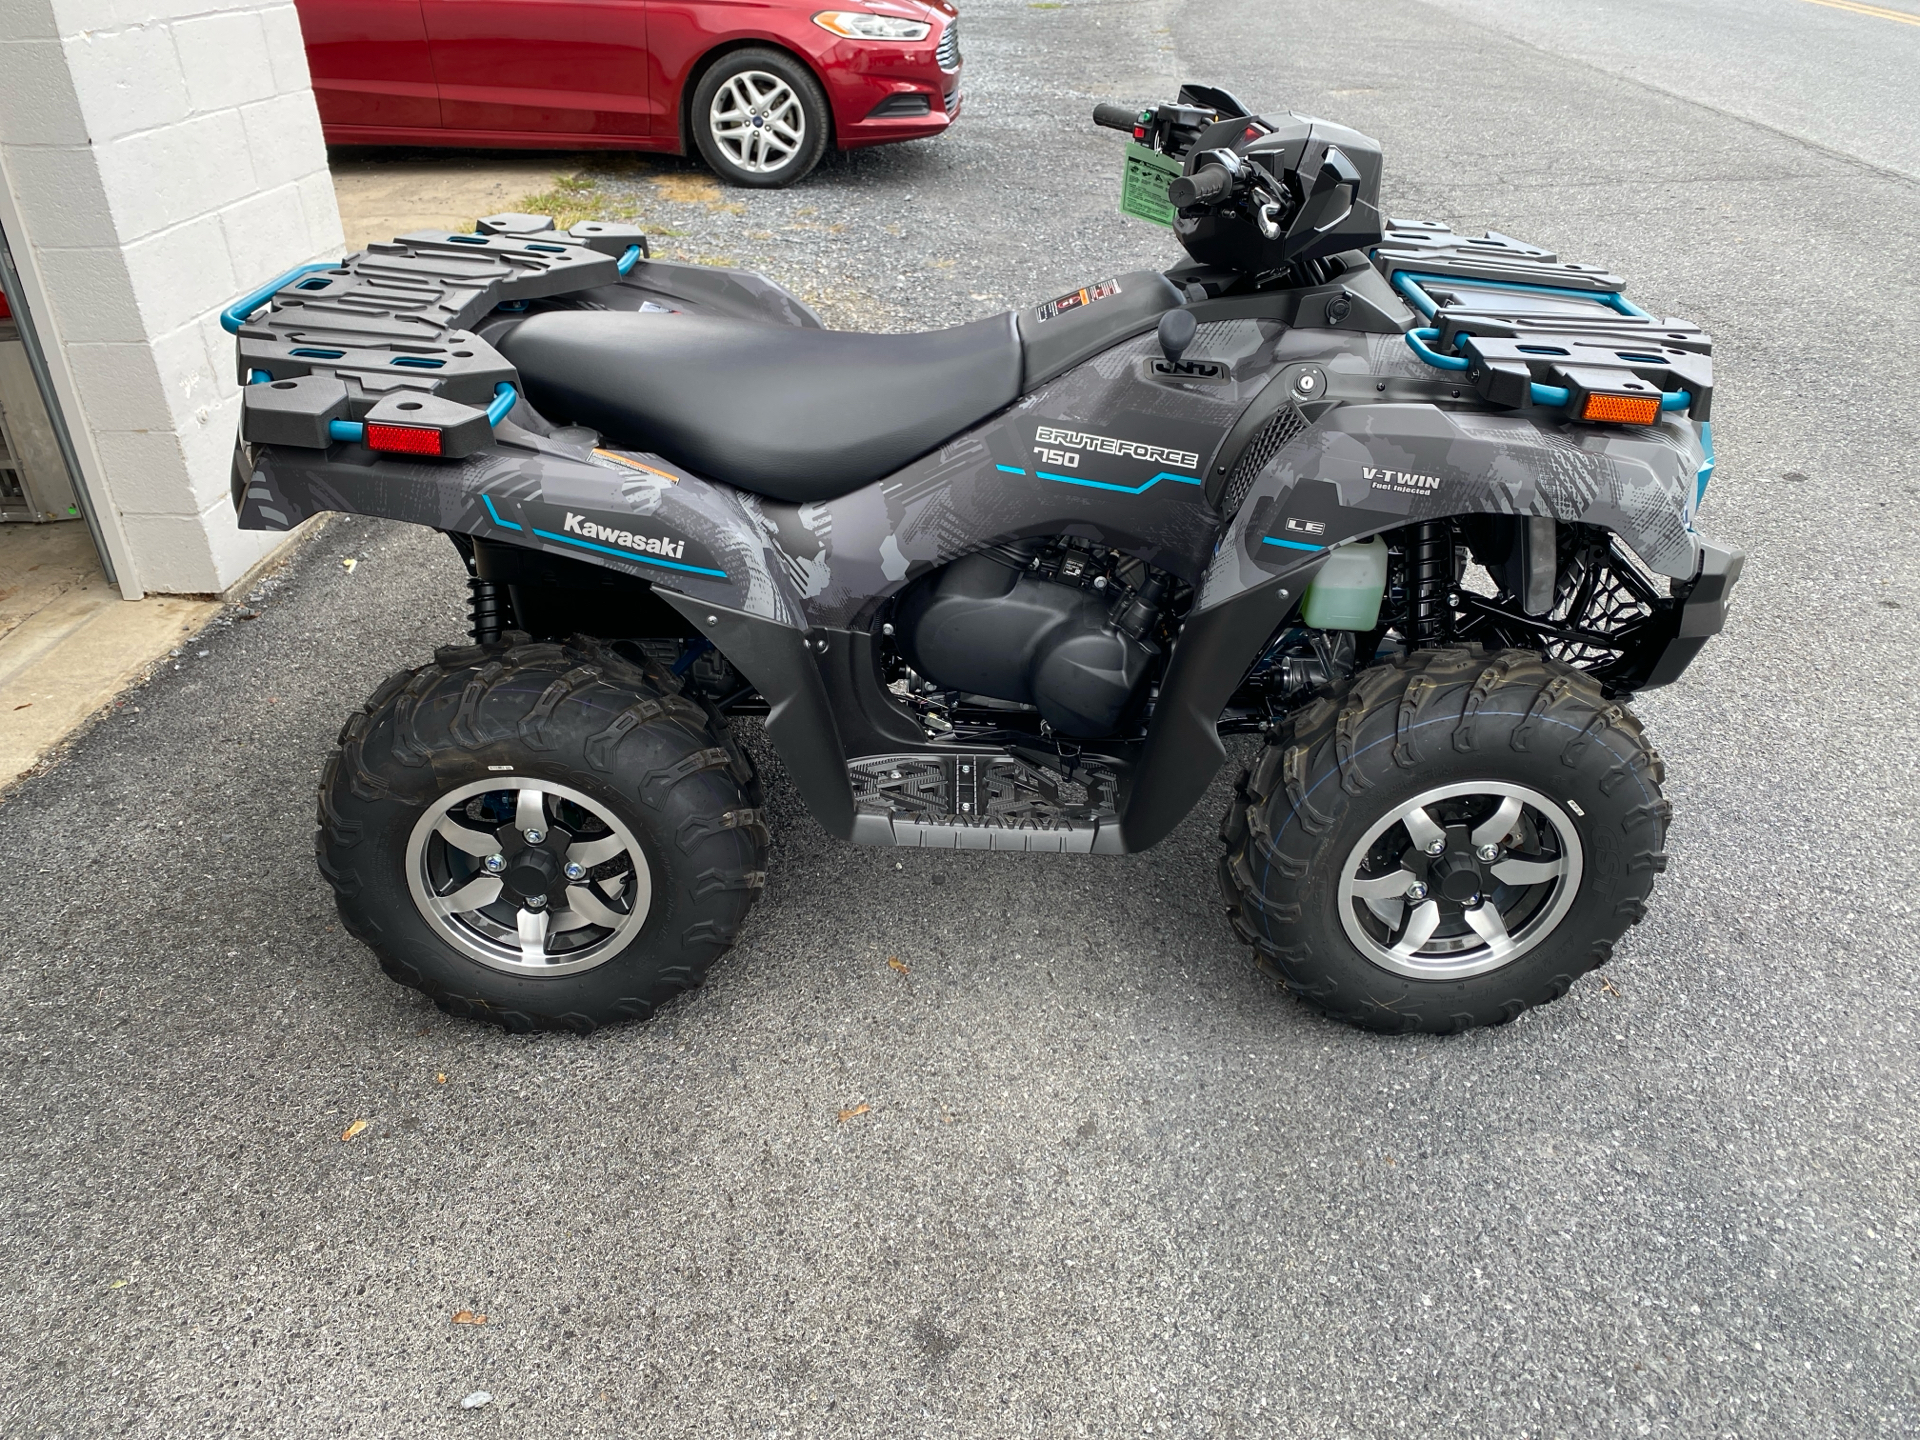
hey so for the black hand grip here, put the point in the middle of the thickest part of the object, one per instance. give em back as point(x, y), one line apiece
point(1209, 182)
point(1116, 117)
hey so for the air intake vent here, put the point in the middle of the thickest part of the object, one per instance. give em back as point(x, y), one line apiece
point(948, 52)
point(1262, 448)
point(897, 107)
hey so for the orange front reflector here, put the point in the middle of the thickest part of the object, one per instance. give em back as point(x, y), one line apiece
point(403, 439)
point(1622, 409)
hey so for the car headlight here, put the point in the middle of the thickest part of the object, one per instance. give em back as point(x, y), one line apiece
point(861, 25)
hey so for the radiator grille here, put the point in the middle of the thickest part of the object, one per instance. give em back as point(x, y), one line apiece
point(948, 52)
point(1262, 448)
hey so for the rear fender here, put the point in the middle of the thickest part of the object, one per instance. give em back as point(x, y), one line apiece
point(703, 547)
point(629, 512)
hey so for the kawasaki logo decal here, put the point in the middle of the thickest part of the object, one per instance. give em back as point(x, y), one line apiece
point(625, 539)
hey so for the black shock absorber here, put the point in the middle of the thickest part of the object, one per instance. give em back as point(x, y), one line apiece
point(489, 609)
point(1429, 582)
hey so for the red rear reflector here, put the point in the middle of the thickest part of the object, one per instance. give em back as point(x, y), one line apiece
point(403, 439)
point(5, 312)
point(1622, 409)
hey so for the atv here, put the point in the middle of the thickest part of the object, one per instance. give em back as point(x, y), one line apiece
point(1415, 507)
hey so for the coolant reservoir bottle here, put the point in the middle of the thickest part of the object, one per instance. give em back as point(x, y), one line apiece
point(1345, 595)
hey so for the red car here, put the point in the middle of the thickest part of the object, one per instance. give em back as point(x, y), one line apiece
point(759, 87)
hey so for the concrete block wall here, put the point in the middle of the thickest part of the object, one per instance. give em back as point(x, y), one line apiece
point(157, 159)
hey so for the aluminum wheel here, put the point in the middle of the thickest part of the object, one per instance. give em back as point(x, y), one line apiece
point(758, 121)
point(1461, 880)
point(528, 876)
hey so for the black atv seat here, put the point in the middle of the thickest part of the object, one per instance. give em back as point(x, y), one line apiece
point(792, 414)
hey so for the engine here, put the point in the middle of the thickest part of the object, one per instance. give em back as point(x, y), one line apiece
point(1059, 625)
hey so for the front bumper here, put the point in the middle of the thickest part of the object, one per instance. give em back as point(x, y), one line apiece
point(862, 77)
point(1703, 611)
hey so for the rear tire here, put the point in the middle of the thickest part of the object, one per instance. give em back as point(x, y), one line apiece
point(1327, 873)
point(427, 834)
point(759, 118)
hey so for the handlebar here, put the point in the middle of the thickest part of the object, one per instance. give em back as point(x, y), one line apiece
point(1116, 117)
point(1209, 182)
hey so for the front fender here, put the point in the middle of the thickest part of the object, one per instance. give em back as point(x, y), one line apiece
point(1367, 468)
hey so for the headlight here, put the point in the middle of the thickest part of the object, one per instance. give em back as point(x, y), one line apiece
point(860, 25)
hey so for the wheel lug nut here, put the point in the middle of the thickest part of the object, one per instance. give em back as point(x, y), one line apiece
point(1489, 853)
point(1436, 847)
point(534, 837)
point(575, 871)
point(1416, 891)
point(495, 864)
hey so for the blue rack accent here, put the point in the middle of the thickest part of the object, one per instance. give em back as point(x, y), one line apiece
point(1416, 340)
point(626, 261)
point(1549, 395)
point(1407, 282)
point(236, 314)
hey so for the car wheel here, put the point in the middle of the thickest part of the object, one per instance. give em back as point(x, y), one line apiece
point(759, 118)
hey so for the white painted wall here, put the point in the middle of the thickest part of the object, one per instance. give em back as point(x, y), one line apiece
point(157, 159)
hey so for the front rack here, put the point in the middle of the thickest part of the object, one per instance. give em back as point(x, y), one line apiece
point(1528, 331)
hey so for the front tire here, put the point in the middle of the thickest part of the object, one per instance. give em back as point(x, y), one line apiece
point(1448, 842)
point(549, 837)
point(759, 118)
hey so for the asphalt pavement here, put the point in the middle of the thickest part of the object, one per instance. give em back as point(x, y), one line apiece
point(1073, 1169)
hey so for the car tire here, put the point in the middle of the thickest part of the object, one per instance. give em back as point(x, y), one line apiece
point(1540, 800)
point(759, 118)
point(649, 852)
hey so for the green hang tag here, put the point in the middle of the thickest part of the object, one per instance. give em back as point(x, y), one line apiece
point(1143, 184)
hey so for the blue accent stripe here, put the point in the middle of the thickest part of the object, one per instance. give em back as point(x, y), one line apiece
point(1705, 472)
point(1288, 544)
point(630, 555)
point(1122, 489)
point(1010, 469)
point(487, 500)
point(1422, 302)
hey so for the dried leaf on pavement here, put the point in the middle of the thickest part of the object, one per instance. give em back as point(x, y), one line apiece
point(440, 1077)
point(468, 1317)
point(354, 1129)
point(861, 1109)
point(894, 962)
point(349, 564)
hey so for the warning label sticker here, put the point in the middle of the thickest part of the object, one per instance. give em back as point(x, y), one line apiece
point(1085, 295)
point(1143, 184)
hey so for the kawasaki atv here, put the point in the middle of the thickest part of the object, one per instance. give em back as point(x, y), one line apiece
point(1417, 507)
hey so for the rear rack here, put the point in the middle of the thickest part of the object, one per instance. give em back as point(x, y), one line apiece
point(1528, 330)
point(379, 349)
